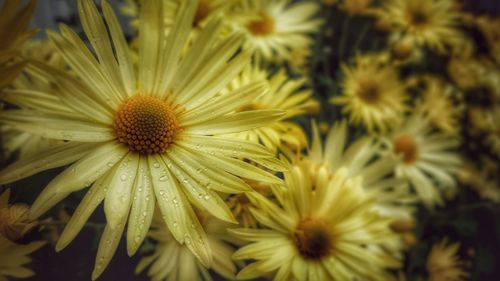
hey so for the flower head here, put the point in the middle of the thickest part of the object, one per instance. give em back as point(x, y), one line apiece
point(145, 139)
point(324, 230)
point(372, 94)
point(443, 264)
point(426, 158)
point(274, 28)
point(429, 23)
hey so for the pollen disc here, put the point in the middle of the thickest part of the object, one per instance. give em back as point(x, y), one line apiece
point(146, 125)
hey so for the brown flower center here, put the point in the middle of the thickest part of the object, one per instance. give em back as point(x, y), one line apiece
point(369, 92)
point(146, 124)
point(406, 146)
point(417, 18)
point(263, 26)
point(313, 238)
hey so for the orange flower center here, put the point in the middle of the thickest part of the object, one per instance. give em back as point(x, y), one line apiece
point(313, 238)
point(406, 146)
point(263, 26)
point(146, 125)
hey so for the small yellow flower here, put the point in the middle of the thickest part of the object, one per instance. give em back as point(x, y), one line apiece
point(429, 23)
point(438, 105)
point(14, 219)
point(443, 263)
point(372, 94)
point(426, 158)
point(274, 28)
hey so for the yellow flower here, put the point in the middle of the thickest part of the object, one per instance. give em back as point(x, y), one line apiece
point(426, 158)
point(289, 95)
point(14, 221)
point(429, 23)
point(14, 21)
point(145, 139)
point(13, 258)
point(173, 261)
point(438, 105)
point(443, 263)
point(275, 28)
point(325, 230)
point(361, 159)
point(372, 94)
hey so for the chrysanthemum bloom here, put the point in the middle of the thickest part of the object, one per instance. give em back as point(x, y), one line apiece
point(14, 21)
point(13, 258)
point(426, 158)
point(443, 263)
point(482, 179)
point(372, 94)
point(438, 105)
point(147, 139)
point(360, 159)
point(175, 262)
point(290, 95)
point(428, 23)
point(274, 28)
point(14, 219)
point(325, 230)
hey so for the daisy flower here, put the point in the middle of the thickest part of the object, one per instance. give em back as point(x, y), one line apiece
point(147, 139)
point(361, 159)
point(437, 104)
point(289, 95)
point(372, 94)
point(14, 21)
point(325, 230)
point(240, 204)
point(428, 23)
point(275, 28)
point(443, 263)
point(14, 220)
point(426, 158)
point(173, 261)
point(13, 256)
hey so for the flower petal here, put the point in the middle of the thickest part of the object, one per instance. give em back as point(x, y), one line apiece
point(143, 206)
point(52, 157)
point(77, 176)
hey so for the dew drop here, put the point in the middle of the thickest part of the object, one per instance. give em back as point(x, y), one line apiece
point(163, 178)
point(123, 177)
point(156, 165)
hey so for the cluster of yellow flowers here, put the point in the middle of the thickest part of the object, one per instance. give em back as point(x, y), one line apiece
point(192, 135)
